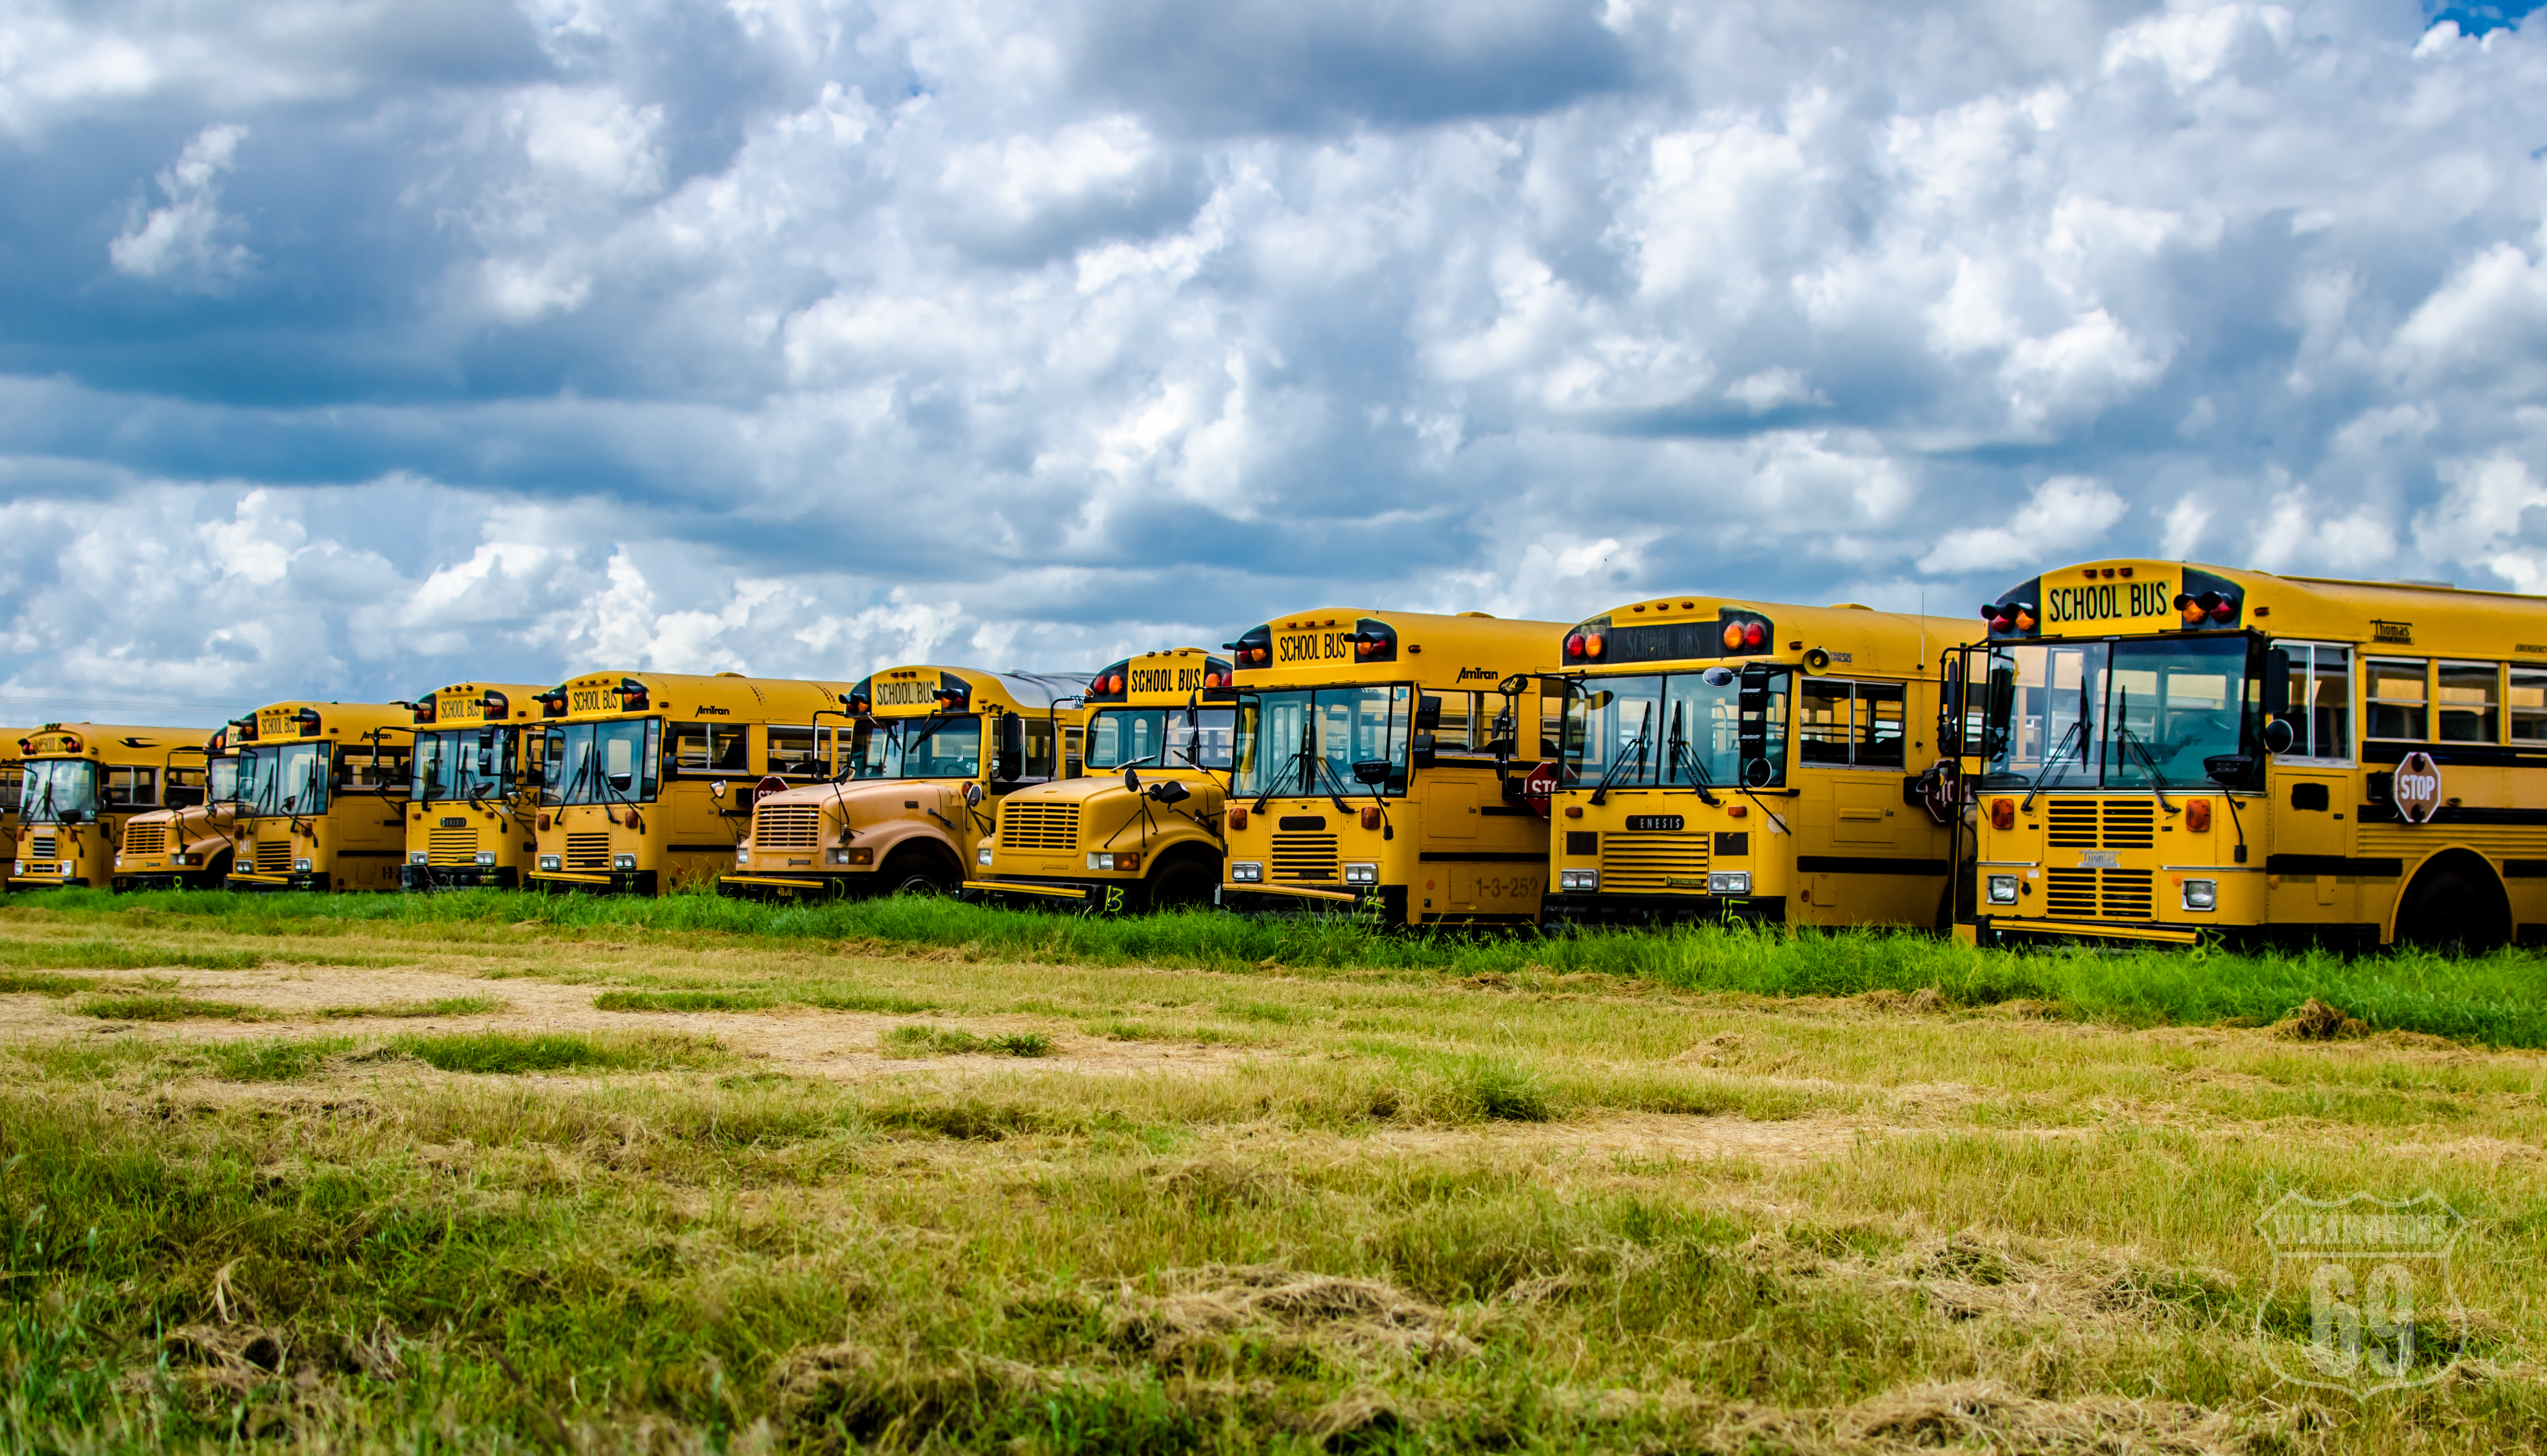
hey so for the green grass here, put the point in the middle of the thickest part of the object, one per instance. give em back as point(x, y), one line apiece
point(273, 1059)
point(935, 1041)
point(491, 1053)
point(44, 983)
point(441, 1007)
point(683, 1001)
point(165, 1006)
point(2499, 1000)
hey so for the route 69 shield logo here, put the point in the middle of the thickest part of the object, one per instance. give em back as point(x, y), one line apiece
point(2362, 1297)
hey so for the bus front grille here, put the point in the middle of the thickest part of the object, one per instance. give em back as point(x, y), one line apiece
point(1653, 862)
point(588, 852)
point(1051, 827)
point(273, 856)
point(2100, 824)
point(43, 846)
point(2099, 895)
point(1304, 857)
point(2070, 823)
point(451, 846)
point(146, 838)
point(787, 826)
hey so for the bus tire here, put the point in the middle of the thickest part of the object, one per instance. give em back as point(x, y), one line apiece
point(2454, 905)
point(1184, 881)
point(916, 872)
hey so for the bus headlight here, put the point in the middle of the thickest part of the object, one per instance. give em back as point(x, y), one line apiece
point(301, 867)
point(552, 861)
point(1362, 873)
point(628, 861)
point(1119, 861)
point(2002, 889)
point(1728, 882)
point(119, 861)
point(862, 855)
point(2202, 895)
point(416, 856)
point(485, 857)
point(21, 868)
point(1241, 872)
point(982, 854)
point(1578, 879)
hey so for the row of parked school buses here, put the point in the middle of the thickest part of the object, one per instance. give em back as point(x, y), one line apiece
point(2127, 749)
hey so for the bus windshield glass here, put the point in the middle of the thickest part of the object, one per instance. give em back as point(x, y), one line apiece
point(221, 779)
point(1669, 731)
point(284, 778)
point(59, 791)
point(1308, 741)
point(938, 746)
point(1163, 737)
point(463, 763)
point(610, 762)
point(2126, 715)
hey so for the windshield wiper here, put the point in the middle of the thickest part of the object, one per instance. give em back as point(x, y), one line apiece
point(2077, 730)
point(2130, 743)
point(1601, 790)
point(1684, 759)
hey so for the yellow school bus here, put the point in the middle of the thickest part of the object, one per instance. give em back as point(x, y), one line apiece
point(934, 752)
point(472, 805)
point(11, 777)
point(1749, 760)
point(1142, 830)
point(648, 778)
point(2156, 749)
point(321, 788)
point(185, 843)
point(1371, 754)
point(78, 784)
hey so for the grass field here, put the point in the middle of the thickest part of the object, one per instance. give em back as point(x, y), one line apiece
point(473, 1173)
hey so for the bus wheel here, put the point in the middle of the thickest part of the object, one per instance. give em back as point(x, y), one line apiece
point(2449, 908)
point(1180, 882)
point(914, 872)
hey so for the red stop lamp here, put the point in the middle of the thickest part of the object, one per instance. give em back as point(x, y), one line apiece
point(2002, 624)
point(71, 744)
point(1238, 815)
point(2224, 610)
point(1370, 819)
point(1575, 645)
point(2197, 814)
point(2002, 814)
point(1754, 635)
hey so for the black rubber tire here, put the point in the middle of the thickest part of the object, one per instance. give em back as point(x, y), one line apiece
point(1183, 881)
point(914, 872)
point(2446, 911)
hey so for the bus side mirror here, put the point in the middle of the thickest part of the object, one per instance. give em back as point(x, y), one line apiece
point(1751, 714)
point(2279, 737)
point(1372, 771)
point(2277, 683)
point(2003, 702)
point(716, 788)
point(1428, 712)
point(1950, 710)
point(1424, 747)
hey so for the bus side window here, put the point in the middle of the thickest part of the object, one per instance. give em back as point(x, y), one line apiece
point(131, 787)
point(1551, 725)
point(1071, 751)
point(792, 752)
point(2528, 702)
point(2468, 703)
point(2320, 717)
point(1039, 739)
point(1845, 724)
point(185, 788)
point(1454, 734)
point(2397, 698)
point(709, 747)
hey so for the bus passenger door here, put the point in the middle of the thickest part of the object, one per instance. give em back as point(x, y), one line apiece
point(2308, 837)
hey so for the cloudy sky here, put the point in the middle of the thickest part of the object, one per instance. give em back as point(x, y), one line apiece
point(350, 349)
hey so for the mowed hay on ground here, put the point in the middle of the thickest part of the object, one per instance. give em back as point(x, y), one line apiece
point(486, 1185)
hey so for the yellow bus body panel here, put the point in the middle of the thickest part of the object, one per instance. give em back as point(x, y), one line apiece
point(358, 841)
point(452, 834)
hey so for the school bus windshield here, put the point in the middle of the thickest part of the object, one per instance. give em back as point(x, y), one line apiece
point(1168, 738)
point(1312, 740)
point(2126, 715)
point(59, 790)
point(935, 747)
point(463, 763)
point(1669, 729)
point(220, 780)
point(602, 762)
point(284, 778)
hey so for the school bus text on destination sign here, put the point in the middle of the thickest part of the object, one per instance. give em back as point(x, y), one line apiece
point(1170, 679)
point(1314, 647)
point(907, 693)
point(594, 700)
point(2118, 601)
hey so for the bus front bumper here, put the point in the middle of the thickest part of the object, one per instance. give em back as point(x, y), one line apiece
point(787, 886)
point(1070, 893)
point(298, 880)
point(1388, 902)
point(1609, 908)
point(458, 877)
point(615, 881)
point(2000, 931)
point(47, 882)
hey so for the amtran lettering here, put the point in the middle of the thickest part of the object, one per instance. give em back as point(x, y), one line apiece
point(2115, 601)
